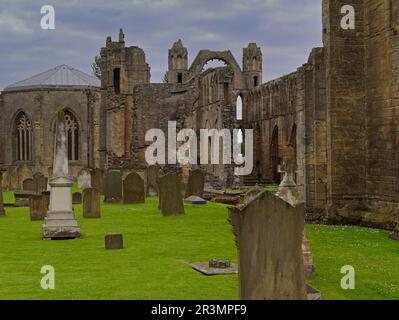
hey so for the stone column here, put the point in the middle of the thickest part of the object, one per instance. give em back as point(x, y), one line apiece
point(2, 211)
point(60, 222)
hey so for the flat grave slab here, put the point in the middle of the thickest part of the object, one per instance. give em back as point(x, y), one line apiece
point(215, 267)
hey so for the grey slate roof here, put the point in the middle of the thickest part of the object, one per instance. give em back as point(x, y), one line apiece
point(62, 76)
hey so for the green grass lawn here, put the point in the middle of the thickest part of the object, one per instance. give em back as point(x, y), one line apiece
point(155, 263)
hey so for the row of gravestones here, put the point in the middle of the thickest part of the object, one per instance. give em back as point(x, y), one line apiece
point(39, 203)
point(37, 184)
point(131, 190)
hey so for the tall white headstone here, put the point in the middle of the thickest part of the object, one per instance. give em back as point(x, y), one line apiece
point(60, 222)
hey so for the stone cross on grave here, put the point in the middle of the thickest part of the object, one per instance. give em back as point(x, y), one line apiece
point(60, 222)
point(288, 190)
point(288, 169)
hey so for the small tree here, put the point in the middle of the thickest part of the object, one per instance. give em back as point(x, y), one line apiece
point(95, 67)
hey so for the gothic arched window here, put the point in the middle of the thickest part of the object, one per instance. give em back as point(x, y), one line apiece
point(239, 108)
point(72, 131)
point(24, 138)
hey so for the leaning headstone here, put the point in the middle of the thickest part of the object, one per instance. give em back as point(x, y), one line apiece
point(2, 211)
point(28, 185)
point(97, 179)
point(39, 205)
point(395, 233)
point(91, 203)
point(133, 189)
point(76, 198)
point(113, 187)
point(84, 179)
point(60, 221)
point(170, 198)
point(152, 175)
point(195, 185)
point(268, 234)
point(113, 241)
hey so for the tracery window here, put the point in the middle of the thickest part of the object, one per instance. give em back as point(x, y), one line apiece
point(72, 130)
point(24, 138)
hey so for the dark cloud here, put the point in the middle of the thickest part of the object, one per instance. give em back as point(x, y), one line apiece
point(285, 29)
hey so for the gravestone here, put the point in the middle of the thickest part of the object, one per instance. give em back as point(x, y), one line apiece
point(133, 189)
point(76, 198)
point(22, 198)
point(195, 185)
point(84, 179)
point(97, 179)
point(170, 197)
point(91, 203)
point(40, 182)
point(113, 186)
point(113, 241)
point(39, 205)
point(60, 221)
point(23, 172)
point(395, 233)
point(29, 185)
point(6, 180)
point(268, 234)
point(2, 211)
point(289, 192)
point(152, 175)
point(194, 200)
point(310, 269)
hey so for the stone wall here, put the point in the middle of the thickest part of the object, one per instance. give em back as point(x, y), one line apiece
point(290, 112)
point(362, 89)
point(154, 106)
point(382, 104)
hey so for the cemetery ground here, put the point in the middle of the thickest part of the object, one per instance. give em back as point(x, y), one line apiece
point(156, 260)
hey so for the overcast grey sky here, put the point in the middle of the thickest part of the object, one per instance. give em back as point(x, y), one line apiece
point(286, 30)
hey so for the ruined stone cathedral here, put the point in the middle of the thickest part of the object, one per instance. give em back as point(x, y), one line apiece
point(336, 116)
